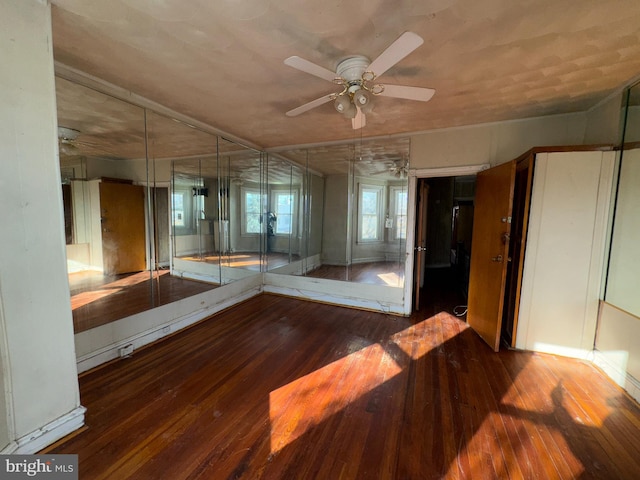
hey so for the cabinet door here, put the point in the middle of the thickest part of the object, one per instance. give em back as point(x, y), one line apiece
point(490, 251)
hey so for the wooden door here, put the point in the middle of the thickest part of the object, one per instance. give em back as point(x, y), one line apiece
point(490, 251)
point(421, 241)
point(123, 228)
point(517, 242)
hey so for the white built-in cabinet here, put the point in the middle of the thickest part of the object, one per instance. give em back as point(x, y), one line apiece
point(565, 252)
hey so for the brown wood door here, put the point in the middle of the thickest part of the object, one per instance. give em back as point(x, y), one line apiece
point(123, 229)
point(490, 251)
point(421, 240)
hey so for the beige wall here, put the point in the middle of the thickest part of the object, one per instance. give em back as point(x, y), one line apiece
point(38, 359)
point(604, 122)
point(618, 348)
point(494, 143)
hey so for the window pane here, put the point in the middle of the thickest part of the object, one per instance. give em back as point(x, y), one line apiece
point(178, 209)
point(284, 211)
point(369, 211)
point(252, 212)
point(369, 227)
point(369, 202)
point(401, 214)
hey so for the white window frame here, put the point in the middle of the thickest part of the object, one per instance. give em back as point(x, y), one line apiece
point(379, 190)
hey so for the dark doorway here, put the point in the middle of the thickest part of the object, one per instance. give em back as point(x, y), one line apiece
point(442, 271)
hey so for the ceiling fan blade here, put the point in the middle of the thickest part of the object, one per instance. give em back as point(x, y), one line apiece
point(311, 68)
point(312, 104)
point(409, 93)
point(359, 121)
point(403, 46)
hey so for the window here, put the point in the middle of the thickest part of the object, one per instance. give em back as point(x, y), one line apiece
point(370, 201)
point(284, 208)
point(178, 209)
point(400, 210)
point(252, 211)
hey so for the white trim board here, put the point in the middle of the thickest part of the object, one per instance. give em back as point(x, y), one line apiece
point(46, 435)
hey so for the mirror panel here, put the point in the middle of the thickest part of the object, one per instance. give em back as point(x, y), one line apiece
point(102, 161)
point(190, 157)
point(624, 261)
point(380, 212)
point(284, 216)
point(355, 204)
point(241, 195)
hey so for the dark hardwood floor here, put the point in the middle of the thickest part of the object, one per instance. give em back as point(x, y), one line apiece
point(98, 299)
point(280, 388)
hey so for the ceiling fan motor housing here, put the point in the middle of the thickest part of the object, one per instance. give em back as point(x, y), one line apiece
point(352, 68)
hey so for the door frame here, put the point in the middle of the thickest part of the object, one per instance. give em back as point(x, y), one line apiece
point(414, 175)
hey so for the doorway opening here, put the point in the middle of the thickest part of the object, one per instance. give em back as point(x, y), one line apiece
point(444, 224)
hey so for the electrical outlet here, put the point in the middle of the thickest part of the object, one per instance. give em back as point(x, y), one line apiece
point(126, 351)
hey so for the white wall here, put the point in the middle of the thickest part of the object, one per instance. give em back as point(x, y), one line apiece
point(38, 359)
point(494, 143)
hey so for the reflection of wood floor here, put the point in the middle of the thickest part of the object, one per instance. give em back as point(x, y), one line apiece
point(246, 260)
point(97, 299)
point(376, 273)
point(351, 395)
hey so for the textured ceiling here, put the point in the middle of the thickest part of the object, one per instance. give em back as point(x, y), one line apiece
point(221, 62)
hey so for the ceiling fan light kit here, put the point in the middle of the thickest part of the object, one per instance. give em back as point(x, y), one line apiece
point(356, 75)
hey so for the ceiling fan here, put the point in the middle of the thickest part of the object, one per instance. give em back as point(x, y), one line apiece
point(356, 75)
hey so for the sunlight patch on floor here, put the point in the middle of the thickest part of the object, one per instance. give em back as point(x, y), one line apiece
point(310, 400)
point(420, 339)
point(391, 279)
point(85, 298)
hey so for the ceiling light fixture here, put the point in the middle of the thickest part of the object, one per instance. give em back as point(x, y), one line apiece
point(357, 87)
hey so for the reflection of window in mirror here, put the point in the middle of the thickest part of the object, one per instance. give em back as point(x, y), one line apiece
point(183, 207)
point(178, 209)
point(284, 209)
point(399, 209)
point(370, 202)
point(251, 211)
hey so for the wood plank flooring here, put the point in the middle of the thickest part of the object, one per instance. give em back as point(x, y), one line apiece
point(279, 388)
point(374, 273)
point(98, 299)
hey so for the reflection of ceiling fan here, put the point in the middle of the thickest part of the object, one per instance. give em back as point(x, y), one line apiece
point(400, 168)
point(67, 141)
point(356, 75)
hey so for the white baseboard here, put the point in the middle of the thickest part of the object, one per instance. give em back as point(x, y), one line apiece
point(621, 377)
point(48, 434)
point(111, 352)
point(373, 305)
